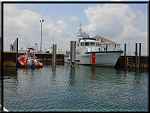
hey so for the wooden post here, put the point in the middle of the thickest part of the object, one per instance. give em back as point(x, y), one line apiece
point(54, 57)
point(17, 54)
point(139, 62)
point(125, 49)
point(72, 52)
point(15, 49)
point(125, 57)
point(136, 56)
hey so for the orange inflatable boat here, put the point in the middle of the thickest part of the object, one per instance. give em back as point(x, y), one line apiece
point(29, 60)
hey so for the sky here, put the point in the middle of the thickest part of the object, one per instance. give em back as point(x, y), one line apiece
point(123, 23)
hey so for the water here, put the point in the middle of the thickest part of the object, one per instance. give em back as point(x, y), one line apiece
point(82, 88)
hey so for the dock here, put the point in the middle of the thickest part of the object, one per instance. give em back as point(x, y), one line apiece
point(45, 58)
point(10, 61)
point(129, 63)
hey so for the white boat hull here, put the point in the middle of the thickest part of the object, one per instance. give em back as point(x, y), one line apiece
point(102, 59)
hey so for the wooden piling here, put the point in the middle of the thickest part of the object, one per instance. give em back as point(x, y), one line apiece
point(136, 56)
point(72, 52)
point(17, 54)
point(139, 62)
point(54, 57)
point(14, 48)
point(125, 57)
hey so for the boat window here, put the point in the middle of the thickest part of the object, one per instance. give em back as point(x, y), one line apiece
point(86, 43)
point(82, 43)
point(92, 43)
point(97, 43)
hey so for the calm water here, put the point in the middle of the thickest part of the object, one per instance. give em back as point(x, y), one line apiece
point(82, 88)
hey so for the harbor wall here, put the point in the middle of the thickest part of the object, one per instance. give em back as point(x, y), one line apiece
point(9, 59)
point(9, 63)
point(129, 62)
point(46, 59)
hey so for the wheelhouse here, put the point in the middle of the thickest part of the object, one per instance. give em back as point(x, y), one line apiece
point(87, 42)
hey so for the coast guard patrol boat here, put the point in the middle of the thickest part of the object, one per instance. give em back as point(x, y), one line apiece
point(96, 50)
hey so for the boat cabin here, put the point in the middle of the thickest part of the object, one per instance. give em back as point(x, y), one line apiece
point(87, 42)
point(93, 44)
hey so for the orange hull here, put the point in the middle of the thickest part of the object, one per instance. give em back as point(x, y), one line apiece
point(22, 60)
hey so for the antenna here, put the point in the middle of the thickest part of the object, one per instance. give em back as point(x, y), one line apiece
point(80, 30)
point(81, 33)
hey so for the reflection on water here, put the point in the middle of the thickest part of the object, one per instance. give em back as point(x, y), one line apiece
point(72, 76)
point(93, 72)
point(10, 72)
point(138, 79)
point(78, 88)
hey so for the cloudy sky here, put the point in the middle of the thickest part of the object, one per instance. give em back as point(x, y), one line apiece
point(119, 22)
